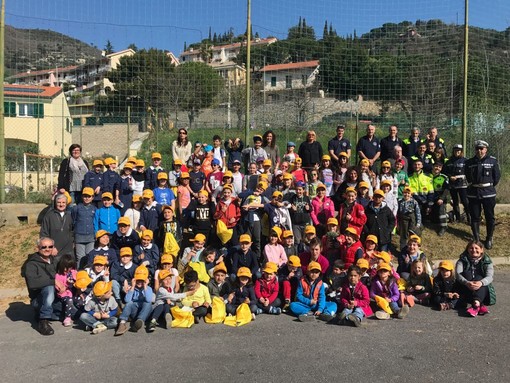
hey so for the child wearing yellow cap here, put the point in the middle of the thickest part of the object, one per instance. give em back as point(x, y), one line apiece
point(99, 269)
point(351, 249)
point(101, 310)
point(380, 220)
point(410, 253)
point(169, 236)
point(106, 217)
point(163, 195)
point(311, 297)
point(125, 187)
point(133, 212)
point(138, 302)
point(101, 247)
point(125, 235)
point(243, 256)
point(152, 172)
point(219, 285)
point(327, 174)
point(445, 290)
point(252, 212)
point(94, 179)
point(243, 292)
point(228, 209)
point(122, 273)
point(200, 215)
point(147, 252)
point(409, 218)
point(289, 277)
point(150, 215)
point(267, 290)
point(193, 253)
point(384, 286)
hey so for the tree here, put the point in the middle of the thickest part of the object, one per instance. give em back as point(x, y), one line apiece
point(198, 86)
point(133, 47)
point(108, 48)
point(325, 30)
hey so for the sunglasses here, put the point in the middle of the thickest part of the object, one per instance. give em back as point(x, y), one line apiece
point(46, 247)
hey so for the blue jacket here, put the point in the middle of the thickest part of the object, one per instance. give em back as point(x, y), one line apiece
point(125, 193)
point(151, 255)
point(305, 297)
point(111, 182)
point(151, 218)
point(83, 221)
point(106, 218)
point(120, 274)
point(110, 253)
point(93, 180)
point(151, 177)
point(140, 296)
point(118, 241)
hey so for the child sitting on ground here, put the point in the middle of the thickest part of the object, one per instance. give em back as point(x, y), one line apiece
point(418, 286)
point(200, 300)
point(64, 281)
point(410, 253)
point(336, 280)
point(167, 263)
point(138, 302)
point(385, 287)
point(289, 278)
point(100, 311)
point(445, 288)
point(365, 276)
point(243, 292)
point(273, 251)
point(355, 298)
point(266, 291)
point(219, 285)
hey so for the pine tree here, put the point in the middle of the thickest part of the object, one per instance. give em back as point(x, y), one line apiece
point(210, 36)
point(325, 31)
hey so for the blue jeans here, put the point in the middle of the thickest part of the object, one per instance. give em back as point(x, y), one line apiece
point(299, 308)
point(160, 310)
point(90, 321)
point(44, 302)
point(136, 310)
point(116, 290)
point(356, 311)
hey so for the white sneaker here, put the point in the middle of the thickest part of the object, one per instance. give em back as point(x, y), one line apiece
point(99, 328)
point(383, 315)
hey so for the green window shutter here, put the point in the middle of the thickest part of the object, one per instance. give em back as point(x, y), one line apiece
point(39, 110)
point(9, 109)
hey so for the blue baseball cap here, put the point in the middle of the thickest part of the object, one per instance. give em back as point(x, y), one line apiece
point(290, 143)
point(208, 148)
point(215, 162)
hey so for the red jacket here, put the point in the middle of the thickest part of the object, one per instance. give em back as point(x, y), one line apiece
point(267, 289)
point(358, 217)
point(233, 211)
point(360, 295)
point(348, 254)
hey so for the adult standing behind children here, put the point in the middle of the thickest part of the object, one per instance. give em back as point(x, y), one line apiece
point(71, 173)
point(57, 224)
point(339, 144)
point(310, 151)
point(272, 150)
point(483, 174)
point(368, 146)
point(181, 147)
point(389, 142)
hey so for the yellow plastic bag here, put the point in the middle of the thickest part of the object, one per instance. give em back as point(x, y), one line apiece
point(223, 233)
point(170, 245)
point(402, 284)
point(383, 304)
point(199, 267)
point(182, 318)
point(242, 317)
point(218, 313)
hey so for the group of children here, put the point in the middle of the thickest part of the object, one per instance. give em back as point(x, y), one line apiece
point(313, 244)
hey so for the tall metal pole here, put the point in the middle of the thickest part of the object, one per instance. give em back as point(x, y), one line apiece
point(128, 130)
point(248, 74)
point(2, 126)
point(466, 57)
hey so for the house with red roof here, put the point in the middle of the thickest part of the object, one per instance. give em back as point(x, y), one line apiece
point(288, 76)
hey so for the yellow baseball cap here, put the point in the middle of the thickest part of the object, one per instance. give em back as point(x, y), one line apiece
point(82, 279)
point(147, 193)
point(167, 258)
point(87, 191)
point(100, 260)
point(156, 156)
point(147, 234)
point(244, 272)
point(245, 238)
point(124, 221)
point(314, 266)
point(270, 268)
point(294, 261)
point(100, 233)
point(198, 238)
point(101, 288)
point(332, 221)
point(126, 252)
point(107, 195)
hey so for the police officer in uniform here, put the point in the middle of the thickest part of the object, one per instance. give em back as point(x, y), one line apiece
point(482, 174)
point(441, 186)
point(454, 168)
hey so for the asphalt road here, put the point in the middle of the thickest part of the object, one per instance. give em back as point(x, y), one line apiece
point(426, 346)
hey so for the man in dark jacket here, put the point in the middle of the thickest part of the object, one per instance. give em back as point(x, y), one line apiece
point(39, 272)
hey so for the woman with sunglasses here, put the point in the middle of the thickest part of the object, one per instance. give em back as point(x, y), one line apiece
point(181, 147)
point(310, 151)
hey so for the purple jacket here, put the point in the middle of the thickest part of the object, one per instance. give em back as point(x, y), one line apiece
point(377, 288)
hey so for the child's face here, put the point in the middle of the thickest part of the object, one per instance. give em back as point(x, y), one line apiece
point(107, 202)
point(216, 143)
point(298, 165)
point(363, 191)
point(315, 251)
point(336, 271)
point(269, 276)
point(98, 169)
point(292, 269)
point(290, 149)
point(219, 276)
point(287, 182)
point(364, 168)
point(139, 283)
point(350, 197)
point(227, 193)
point(386, 188)
point(383, 275)
point(413, 247)
point(104, 240)
point(314, 176)
point(309, 236)
point(407, 195)
point(289, 241)
point(369, 245)
point(243, 280)
point(300, 191)
point(166, 266)
point(167, 282)
point(385, 169)
point(168, 214)
point(156, 161)
point(353, 278)
point(245, 246)
point(284, 166)
point(123, 228)
point(197, 245)
point(314, 274)
point(147, 201)
point(113, 166)
point(146, 241)
point(398, 166)
point(325, 163)
point(98, 268)
point(193, 285)
point(445, 273)
point(332, 228)
point(349, 239)
point(363, 270)
point(210, 257)
point(185, 181)
point(252, 168)
point(106, 296)
point(162, 182)
point(202, 199)
point(125, 259)
point(418, 268)
point(273, 239)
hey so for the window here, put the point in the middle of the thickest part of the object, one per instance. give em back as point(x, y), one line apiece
point(31, 110)
point(288, 82)
point(273, 81)
point(9, 109)
point(68, 125)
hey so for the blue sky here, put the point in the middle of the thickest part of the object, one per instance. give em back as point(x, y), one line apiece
point(167, 24)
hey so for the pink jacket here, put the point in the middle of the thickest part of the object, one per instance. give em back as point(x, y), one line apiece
point(322, 210)
point(360, 296)
point(62, 278)
point(275, 254)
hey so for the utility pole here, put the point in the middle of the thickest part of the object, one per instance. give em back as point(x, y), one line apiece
point(2, 112)
point(248, 65)
point(466, 57)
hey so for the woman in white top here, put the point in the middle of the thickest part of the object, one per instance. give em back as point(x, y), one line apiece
point(181, 148)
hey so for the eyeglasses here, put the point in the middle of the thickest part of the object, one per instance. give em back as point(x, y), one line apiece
point(46, 247)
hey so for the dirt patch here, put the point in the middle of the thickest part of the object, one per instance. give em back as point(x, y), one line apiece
point(17, 242)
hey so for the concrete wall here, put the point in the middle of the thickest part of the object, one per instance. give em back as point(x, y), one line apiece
point(18, 214)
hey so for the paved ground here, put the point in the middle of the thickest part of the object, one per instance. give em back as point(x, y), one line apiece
point(426, 346)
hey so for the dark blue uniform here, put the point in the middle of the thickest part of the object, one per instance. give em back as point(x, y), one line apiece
point(93, 180)
point(456, 167)
point(369, 147)
point(482, 174)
